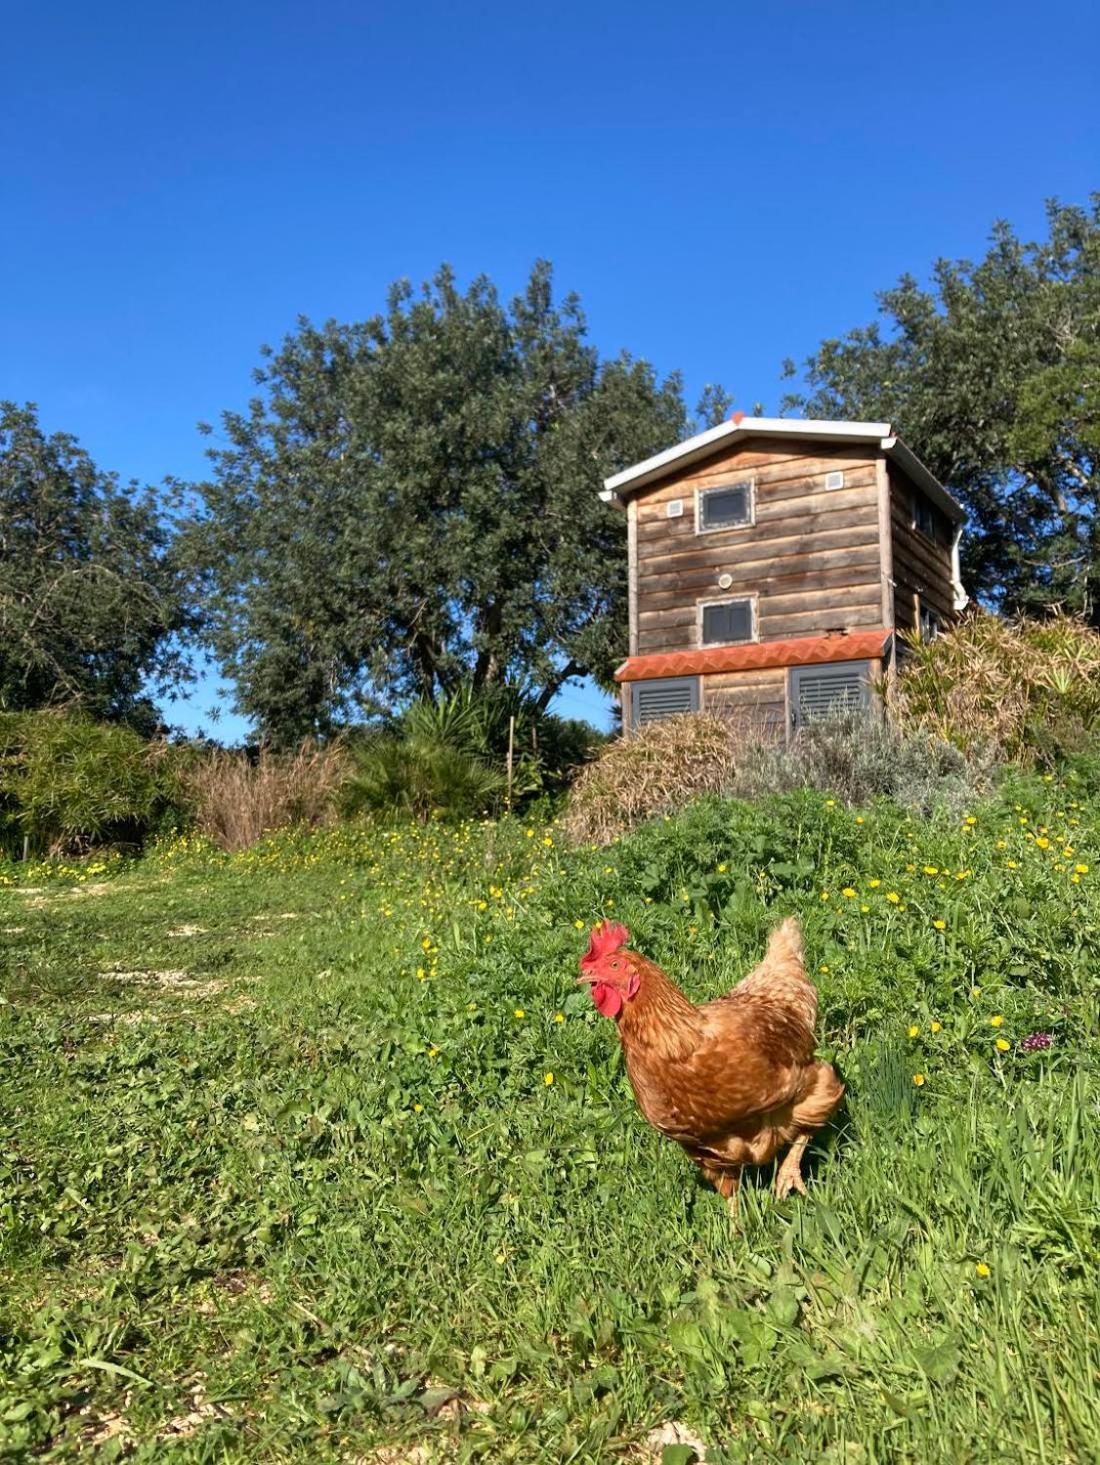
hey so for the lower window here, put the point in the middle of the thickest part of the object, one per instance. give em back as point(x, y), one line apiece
point(663, 697)
point(829, 691)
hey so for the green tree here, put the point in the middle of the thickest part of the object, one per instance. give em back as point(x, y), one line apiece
point(411, 505)
point(993, 377)
point(90, 596)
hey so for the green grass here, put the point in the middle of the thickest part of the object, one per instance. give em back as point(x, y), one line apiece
point(300, 1189)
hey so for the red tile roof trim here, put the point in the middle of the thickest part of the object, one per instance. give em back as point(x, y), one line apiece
point(802, 651)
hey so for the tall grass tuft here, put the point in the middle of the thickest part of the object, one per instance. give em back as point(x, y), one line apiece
point(68, 784)
point(656, 771)
point(237, 799)
point(1029, 689)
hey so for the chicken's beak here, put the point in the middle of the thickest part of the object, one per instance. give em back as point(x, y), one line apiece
point(587, 978)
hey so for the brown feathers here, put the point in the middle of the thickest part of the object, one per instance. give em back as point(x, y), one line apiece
point(735, 1079)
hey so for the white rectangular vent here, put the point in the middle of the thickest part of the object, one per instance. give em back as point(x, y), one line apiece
point(675, 509)
point(834, 480)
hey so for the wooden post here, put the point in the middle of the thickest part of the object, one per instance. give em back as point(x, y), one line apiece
point(511, 743)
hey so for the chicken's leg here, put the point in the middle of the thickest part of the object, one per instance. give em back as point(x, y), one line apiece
point(789, 1175)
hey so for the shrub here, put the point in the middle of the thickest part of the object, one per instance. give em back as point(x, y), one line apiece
point(68, 784)
point(1030, 689)
point(235, 798)
point(422, 777)
point(448, 758)
point(858, 759)
point(656, 771)
point(669, 763)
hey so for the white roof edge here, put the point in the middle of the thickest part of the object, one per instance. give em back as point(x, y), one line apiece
point(912, 466)
point(880, 433)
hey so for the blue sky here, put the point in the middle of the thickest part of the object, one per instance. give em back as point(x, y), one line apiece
point(723, 185)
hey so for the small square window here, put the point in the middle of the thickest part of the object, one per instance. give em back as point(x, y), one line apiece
point(728, 507)
point(726, 622)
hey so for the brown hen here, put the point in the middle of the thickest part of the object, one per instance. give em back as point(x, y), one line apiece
point(734, 1080)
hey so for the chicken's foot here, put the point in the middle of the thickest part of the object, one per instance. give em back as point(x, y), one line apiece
point(789, 1175)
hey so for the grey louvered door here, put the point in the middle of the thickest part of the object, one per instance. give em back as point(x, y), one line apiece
point(664, 697)
point(829, 691)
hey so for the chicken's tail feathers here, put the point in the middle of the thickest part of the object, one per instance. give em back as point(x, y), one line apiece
point(785, 942)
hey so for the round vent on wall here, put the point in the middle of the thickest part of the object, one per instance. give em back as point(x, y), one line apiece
point(725, 581)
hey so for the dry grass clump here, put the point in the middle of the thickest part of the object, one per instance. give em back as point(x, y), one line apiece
point(1028, 689)
point(237, 799)
point(657, 771)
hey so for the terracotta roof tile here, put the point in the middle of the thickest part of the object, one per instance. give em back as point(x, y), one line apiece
point(802, 651)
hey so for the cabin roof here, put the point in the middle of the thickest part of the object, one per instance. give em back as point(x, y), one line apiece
point(618, 488)
point(758, 655)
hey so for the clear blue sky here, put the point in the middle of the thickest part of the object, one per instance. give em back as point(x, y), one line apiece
point(724, 185)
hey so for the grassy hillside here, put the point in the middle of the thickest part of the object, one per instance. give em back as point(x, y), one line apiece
point(316, 1151)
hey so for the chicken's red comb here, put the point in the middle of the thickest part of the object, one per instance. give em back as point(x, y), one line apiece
point(605, 938)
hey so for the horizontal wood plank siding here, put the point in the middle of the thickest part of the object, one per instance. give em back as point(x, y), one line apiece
point(921, 566)
point(755, 700)
point(810, 557)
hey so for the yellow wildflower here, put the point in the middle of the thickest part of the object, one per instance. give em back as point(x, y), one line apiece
point(982, 1270)
point(893, 897)
point(931, 870)
point(996, 1022)
point(939, 925)
point(519, 1012)
point(1043, 842)
point(935, 1027)
point(1081, 869)
point(418, 1108)
point(1002, 1045)
point(848, 892)
point(914, 1031)
point(559, 1016)
point(918, 1079)
point(874, 884)
point(721, 869)
point(579, 925)
point(548, 1079)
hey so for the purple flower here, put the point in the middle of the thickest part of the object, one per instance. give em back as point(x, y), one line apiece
point(1035, 1043)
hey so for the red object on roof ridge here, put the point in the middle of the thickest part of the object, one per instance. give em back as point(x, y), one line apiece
point(737, 416)
point(758, 655)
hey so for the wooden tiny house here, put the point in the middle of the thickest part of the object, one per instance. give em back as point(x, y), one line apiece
point(771, 562)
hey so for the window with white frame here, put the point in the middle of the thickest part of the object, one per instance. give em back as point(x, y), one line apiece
point(725, 622)
point(728, 506)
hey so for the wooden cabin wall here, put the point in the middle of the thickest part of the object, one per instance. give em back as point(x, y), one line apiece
point(811, 558)
point(754, 700)
point(921, 566)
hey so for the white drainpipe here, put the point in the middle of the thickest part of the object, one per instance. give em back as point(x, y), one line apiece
point(962, 600)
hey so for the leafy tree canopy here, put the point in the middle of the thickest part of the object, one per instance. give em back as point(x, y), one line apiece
point(993, 377)
point(89, 594)
point(410, 505)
